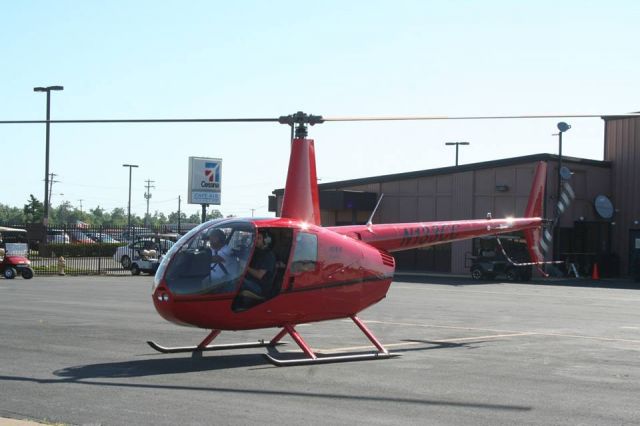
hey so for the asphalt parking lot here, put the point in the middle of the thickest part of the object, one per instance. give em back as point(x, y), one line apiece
point(72, 351)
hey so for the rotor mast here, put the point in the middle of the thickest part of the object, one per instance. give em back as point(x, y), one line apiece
point(301, 199)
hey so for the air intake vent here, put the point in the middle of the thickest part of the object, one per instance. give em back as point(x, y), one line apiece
point(387, 259)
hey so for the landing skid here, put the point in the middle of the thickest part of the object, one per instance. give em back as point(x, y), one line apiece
point(178, 349)
point(329, 359)
point(289, 329)
point(205, 346)
point(312, 358)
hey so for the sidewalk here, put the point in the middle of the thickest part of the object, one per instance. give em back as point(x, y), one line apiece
point(14, 422)
point(416, 276)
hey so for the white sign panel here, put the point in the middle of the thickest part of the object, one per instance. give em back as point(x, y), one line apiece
point(204, 180)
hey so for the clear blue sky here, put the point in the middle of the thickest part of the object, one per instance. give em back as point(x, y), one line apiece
point(154, 59)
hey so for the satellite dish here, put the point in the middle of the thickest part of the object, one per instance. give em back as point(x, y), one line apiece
point(603, 206)
point(563, 127)
point(565, 173)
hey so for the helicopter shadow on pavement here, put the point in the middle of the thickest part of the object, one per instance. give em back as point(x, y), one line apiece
point(199, 362)
point(161, 366)
point(102, 375)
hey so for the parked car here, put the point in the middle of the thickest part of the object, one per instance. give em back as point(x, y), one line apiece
point(130, 235)
point(57, 236)
point(80, 237)
point(125, 254)
point(102, 238)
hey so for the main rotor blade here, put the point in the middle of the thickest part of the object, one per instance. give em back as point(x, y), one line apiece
point(149, 120)
point(325, 119)
point(474, 117)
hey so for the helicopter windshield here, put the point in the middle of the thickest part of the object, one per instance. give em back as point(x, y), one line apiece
point(209, 260)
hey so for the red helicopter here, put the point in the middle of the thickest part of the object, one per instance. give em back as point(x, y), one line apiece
point(322, 273)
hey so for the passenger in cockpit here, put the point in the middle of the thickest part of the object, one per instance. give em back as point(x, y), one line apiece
point(261, 271)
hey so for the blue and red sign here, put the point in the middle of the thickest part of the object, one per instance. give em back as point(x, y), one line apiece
point(204, 180)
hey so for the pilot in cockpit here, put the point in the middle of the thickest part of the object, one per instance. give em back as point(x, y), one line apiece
point(224, 265)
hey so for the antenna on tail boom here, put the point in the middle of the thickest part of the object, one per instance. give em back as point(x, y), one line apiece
point(370, 221)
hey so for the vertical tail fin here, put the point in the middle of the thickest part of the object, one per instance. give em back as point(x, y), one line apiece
point(535, 209)
point(301, 200)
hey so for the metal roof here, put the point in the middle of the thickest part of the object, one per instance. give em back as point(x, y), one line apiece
point(455, 169)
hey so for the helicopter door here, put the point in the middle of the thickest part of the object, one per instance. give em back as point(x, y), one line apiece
point(305, 259)
point(282, 239)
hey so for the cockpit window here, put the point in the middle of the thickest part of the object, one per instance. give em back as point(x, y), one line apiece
point(211, 261)
point(305, 255)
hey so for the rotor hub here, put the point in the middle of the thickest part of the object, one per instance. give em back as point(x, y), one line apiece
point(300, 120)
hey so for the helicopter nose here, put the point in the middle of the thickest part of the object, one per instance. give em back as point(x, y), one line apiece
point(162, 299)
point(162, 296)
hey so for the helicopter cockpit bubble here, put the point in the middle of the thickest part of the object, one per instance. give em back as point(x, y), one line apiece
point(210, 259)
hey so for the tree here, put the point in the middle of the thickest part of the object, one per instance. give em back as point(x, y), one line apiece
point(214, 214)
point(64, 214)
point(33, 210)
point(194, 218)
point(118, 217)
point(11, 215)
point(173, 217)
point(158, 219)
point(96, 216)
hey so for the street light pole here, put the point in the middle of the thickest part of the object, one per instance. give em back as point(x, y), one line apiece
point(130, 166)
point(457, 144)
point(562, 127)
point(48, 90)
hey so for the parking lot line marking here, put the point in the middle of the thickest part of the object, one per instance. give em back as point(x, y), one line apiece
point(539, 333)
point(490, 336)
point(451, 327)
point(604, 339)
point(403, 344)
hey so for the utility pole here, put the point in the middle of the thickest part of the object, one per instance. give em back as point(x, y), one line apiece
point(51, 182)
point(147, 196)
point(80, 200)
point(130, 166)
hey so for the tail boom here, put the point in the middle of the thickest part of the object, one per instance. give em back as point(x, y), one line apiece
point(406, 236)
